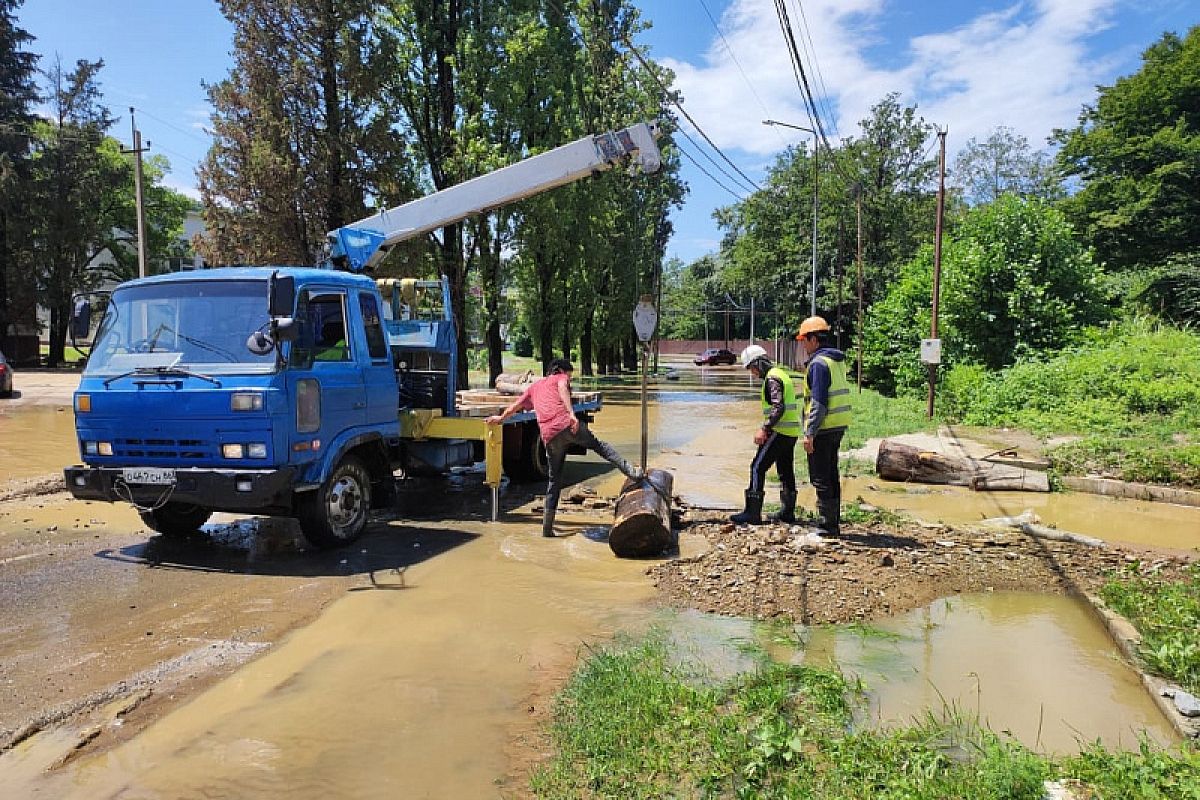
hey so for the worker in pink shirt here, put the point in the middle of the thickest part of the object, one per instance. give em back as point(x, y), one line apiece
point(550, 399)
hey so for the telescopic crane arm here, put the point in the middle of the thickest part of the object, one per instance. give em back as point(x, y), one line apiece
point(361, 245)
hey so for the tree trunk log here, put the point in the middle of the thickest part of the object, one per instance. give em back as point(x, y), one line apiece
point(513, 383)
point(902, 462)
point(642, 523)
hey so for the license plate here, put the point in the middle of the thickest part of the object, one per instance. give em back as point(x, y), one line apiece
point(156, 476)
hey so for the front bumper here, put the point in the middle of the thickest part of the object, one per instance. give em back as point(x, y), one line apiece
point(263, 491)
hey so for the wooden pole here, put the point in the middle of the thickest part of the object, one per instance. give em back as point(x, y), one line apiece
point(937, 264)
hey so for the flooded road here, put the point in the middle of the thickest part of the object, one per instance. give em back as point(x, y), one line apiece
point(36, 441)
point(420, 661)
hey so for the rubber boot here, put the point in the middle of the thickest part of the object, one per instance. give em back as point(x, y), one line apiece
point(787, 511)
point(550, 506)
point(753, 513)
point(830, 512)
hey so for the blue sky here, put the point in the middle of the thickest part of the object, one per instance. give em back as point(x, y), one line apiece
point(969, 65)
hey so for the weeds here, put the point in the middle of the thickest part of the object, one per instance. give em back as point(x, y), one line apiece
point(630, 724)
point(1168, 617)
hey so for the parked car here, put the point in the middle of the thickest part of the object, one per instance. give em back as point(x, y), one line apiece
point(715, 356)
point(5, 377)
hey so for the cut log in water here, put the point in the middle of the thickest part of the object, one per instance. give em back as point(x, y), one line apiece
point(642, 523)
point(902, 462)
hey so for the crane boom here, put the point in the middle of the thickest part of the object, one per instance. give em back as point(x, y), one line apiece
point(359, 246)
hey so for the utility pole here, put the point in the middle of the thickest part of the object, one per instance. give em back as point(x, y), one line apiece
point(137, 172)
point(858, 206)
point(935, 348)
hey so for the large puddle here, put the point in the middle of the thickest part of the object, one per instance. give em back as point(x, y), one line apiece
point(415, 684)
point(35, 441)
point(1038, 667)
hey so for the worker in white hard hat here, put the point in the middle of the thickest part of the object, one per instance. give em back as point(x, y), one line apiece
point(826, 394)
point(776, 438)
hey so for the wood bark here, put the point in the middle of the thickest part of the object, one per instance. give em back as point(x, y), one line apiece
point(642, 521)
point(902, 462)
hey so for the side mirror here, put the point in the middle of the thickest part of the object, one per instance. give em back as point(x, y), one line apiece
point(282, 301)
point(260, 343)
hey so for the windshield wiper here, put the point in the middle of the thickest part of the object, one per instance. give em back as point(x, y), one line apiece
point(162, 372)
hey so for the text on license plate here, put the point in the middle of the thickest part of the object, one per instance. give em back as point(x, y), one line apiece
point(158, 476)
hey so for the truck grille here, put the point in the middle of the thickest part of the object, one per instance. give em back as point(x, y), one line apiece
point(177, 449)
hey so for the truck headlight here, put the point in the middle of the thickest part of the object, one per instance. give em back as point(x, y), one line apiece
point(233, 450)
point(97, 448)
point(256, 450)
point(90, 448)
point(246, 401)
point(105, 448)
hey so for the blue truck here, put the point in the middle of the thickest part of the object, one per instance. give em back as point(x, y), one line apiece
point(303, 391)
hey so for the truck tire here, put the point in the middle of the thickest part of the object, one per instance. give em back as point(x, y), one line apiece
point(525, 459)
point(336, 513)
point(175, 520)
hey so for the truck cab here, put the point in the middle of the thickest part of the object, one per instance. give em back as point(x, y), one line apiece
point(189, 406)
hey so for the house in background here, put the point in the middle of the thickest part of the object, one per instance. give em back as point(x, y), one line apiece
point(105, 263)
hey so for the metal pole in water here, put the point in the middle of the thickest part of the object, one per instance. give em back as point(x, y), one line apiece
point(645, 428)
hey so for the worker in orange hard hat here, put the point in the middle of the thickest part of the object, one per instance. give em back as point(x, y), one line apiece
point(825, 418)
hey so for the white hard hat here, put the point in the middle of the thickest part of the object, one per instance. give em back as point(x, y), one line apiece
point(752, 354)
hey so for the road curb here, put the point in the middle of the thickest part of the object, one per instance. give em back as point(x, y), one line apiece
point(1129, 640)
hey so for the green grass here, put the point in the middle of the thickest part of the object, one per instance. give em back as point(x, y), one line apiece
point(876, 416)
point(633, 723)
point(1132, 393)
point(1167, 614)
point(70, 354)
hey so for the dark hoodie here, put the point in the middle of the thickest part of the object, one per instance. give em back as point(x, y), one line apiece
point(818, 380)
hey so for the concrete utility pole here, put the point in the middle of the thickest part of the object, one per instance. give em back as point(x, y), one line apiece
point(858, 207)
point(937, 266)
point(815, 204)
point(137, 171)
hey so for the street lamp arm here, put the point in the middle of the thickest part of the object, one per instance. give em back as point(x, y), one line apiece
point(788, 125)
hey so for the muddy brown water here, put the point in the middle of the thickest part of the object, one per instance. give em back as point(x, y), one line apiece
point(1040, 668)
point(416, 682)
point(35, 441)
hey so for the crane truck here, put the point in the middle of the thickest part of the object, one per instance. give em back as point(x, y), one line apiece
point(302, 391)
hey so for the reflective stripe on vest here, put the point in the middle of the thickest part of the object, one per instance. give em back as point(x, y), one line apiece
point(838, 415)
point(789, 423)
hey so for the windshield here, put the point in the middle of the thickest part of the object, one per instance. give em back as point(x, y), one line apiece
point(193, 325)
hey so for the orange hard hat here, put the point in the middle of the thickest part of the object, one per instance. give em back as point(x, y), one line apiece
point(812, 325)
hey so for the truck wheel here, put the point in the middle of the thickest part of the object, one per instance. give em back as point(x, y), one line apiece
point(537, 462)
point(525, 453)
point(175, 520)
point(336, 513)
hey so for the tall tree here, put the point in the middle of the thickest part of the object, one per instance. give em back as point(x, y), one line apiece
point(1003, 163)
point(298, 143)
point(1136, 152)
point(79, 176)
point(18, 93)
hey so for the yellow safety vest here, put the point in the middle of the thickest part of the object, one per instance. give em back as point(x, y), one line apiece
point(838, 415)
point(789, 423)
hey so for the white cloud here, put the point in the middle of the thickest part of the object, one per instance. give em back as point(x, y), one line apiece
point(1025, 65)
point(182, 187)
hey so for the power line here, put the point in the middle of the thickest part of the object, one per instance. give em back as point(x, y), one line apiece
point(174, 127)
point(708, 174)
point(806, 92)
point(729, 49)
point(673, 99)
point(671, 96)
point(811, 49)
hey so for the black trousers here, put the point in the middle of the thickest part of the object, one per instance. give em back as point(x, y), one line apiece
point(778, 450)
point(556, 456)
point(823, 466)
